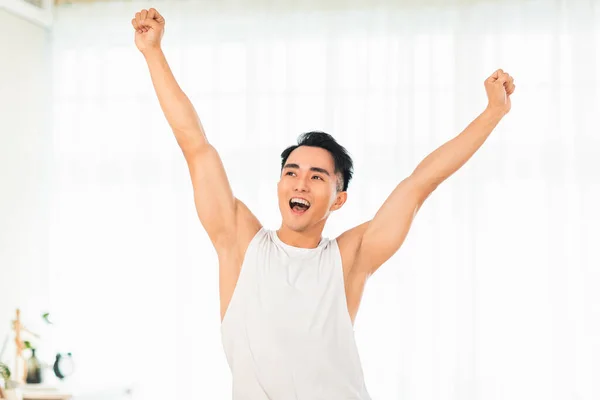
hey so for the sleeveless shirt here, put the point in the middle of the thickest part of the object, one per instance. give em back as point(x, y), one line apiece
point(287, 333)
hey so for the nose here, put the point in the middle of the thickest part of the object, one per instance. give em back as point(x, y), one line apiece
point(300, 185)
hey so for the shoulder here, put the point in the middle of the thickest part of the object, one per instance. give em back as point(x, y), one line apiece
point(349, 243)
point(247, 223)
point(246, 227)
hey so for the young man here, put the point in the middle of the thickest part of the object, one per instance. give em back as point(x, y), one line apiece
point(289, 297)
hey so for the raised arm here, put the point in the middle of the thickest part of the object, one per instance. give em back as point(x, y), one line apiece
point(381, 237)
point(220, 213)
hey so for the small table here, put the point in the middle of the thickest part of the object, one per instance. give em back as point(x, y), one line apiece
point(44, 392)
point(46, 396)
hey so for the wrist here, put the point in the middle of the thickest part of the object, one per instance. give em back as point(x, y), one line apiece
point(151, 52)
point(495, 113)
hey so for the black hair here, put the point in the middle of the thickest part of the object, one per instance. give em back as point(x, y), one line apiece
point(342, 161)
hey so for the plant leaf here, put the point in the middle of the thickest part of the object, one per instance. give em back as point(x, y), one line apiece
point(4, 372)
point(46, 317)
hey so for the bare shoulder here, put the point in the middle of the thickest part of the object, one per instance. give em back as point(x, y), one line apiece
point(247, 225)
point(355, 278)
point(239, 236)
point(232, 251)
point(349, 244)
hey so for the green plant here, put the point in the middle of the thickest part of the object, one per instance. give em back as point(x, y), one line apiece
point(46, 317)
point(5, 374)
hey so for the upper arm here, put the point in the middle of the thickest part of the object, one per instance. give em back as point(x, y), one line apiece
point(223, 216)
point(371, 244)
point(390, 226)
point(349, 243)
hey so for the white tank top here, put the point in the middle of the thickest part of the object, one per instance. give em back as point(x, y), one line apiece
point(287, 333)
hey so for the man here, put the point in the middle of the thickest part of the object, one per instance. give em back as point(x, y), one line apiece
point(289, 297)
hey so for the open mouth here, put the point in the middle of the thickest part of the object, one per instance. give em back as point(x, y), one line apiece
point(299, 205)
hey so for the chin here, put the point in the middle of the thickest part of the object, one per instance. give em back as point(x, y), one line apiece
point(296, 226)
point(293, 222)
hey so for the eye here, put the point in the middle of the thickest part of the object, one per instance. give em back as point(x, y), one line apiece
point(318, 177)
point(290, 173)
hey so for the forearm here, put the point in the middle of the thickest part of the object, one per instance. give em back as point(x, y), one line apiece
point(452, 155)
point(176, 106)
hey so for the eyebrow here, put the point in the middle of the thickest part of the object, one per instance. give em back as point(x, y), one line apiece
point(316, 169)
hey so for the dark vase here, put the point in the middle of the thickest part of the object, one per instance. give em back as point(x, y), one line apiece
point(34, 369)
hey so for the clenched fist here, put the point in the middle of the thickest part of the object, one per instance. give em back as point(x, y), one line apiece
point(149, 28)
point(499, 86)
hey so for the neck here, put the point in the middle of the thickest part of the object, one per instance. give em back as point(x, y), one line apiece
point(308, 239)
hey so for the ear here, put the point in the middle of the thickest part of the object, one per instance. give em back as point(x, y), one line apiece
point(340, 199)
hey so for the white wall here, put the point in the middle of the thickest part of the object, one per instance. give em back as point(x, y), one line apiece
point(25, 150)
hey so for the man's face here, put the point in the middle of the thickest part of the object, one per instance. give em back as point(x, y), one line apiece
point(307, 188)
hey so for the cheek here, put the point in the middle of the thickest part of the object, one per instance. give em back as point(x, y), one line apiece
point(325, 198)
point(282, 191)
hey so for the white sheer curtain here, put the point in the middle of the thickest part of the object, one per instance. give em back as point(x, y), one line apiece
point(494, 294)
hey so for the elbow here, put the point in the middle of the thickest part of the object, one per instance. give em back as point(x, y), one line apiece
point(190, 143)
point(197, 151)
point(423, 186)
point(190, 138)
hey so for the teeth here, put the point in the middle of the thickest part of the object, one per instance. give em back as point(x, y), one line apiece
point(300, 201)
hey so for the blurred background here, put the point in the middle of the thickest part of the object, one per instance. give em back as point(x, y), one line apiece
point(494, 295)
